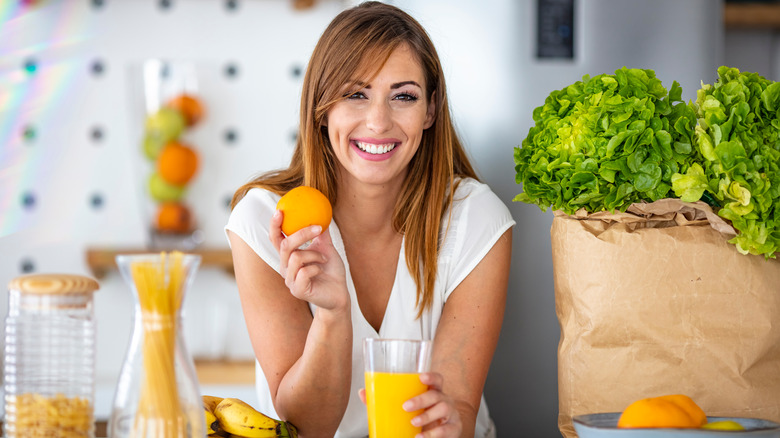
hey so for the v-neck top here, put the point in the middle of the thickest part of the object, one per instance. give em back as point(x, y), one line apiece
point(478, 218)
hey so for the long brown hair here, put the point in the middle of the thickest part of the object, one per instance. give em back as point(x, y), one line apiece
point(360, 37)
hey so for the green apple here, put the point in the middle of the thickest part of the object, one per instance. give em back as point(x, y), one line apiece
point(161, 191)
point(152, 146)
point(165, 125)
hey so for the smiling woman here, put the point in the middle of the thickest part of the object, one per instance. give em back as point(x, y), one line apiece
point(382, 121)
point(418, 248)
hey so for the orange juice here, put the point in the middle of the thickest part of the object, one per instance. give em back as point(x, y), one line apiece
point(385, 396)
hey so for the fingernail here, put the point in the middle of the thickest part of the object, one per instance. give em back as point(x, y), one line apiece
point(407, 406)
point(416, 421)
point(277, 213)
point(317, 229)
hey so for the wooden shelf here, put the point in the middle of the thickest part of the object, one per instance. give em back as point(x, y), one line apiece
point(103, 260)
point(219, 372)
point(751, 15)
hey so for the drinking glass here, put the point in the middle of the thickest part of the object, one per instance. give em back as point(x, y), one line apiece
point(392, 373)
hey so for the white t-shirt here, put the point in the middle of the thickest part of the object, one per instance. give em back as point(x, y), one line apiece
point(478, 219)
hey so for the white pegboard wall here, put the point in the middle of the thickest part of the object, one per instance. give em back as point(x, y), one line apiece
point(71, 130)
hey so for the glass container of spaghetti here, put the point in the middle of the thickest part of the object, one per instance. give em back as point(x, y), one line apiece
point(49, 368)
point(157, 394)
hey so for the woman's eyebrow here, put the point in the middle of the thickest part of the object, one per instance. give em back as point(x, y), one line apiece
point(401, 84)
point(395, 86)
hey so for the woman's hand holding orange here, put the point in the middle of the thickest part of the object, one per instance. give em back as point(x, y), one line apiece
point(315, 274)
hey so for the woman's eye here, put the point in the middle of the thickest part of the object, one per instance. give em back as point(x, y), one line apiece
point(355, 95)
point(408, 97)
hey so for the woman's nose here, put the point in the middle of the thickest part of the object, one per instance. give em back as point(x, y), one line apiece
point(379, 118)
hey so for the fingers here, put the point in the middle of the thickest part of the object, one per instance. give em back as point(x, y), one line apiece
point(302, 266)
point(362, 394)
point(288, 245)
point(443, 431)
point(275, 229)
point(439, 417)
point(433, 380)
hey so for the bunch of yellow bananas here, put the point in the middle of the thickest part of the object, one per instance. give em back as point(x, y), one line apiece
point(231, 417)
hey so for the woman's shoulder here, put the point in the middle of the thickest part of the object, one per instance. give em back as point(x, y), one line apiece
point(256, 207)
point(475, 209)
point(471, 193)
point(257, 198)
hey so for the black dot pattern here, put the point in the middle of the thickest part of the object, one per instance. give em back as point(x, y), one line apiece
point(231, 70)
point(96, 134)
point(231, 136)
point(96, 201)
point(97, 67)
point(28, 200)
point(296, 71)
point(29, 133)
point(26, 266)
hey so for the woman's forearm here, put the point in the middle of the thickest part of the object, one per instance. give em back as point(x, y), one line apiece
point(314, 393)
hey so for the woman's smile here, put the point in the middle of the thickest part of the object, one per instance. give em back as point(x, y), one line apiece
point(375, 149)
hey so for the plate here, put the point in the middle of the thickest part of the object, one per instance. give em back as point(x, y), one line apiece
point(605, 426)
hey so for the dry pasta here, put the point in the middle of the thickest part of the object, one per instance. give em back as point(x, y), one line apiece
point(38, 416)
point(160, 295)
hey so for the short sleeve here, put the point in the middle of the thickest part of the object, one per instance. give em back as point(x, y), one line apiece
point(479, 218)
point(250, 221)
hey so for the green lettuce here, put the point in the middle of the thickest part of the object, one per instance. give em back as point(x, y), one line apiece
point(737, 142)
point(606, 142)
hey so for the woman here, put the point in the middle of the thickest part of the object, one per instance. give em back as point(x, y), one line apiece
point(418, 248)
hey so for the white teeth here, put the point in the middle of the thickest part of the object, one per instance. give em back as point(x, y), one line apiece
point(375, 149)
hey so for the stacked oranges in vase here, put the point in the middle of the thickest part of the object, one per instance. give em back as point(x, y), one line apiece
point(175, 163)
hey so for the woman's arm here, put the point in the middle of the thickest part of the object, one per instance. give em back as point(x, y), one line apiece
point(302, 356)
point(465, 341)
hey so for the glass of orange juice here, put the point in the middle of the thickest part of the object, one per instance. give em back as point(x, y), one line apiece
point(392, 371)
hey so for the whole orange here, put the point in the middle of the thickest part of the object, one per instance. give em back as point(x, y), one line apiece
point(304, 206)
point(173, 217)
point(687, 404)
point(189, 106)
point(674, 411)
point(177, 163)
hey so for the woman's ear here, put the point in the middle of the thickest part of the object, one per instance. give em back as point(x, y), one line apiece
point(430, 114)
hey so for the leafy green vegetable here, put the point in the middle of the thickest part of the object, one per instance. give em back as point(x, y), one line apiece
point(737, 142)
point(606, 142)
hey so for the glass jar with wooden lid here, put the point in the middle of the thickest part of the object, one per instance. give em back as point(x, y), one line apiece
point(49, 369)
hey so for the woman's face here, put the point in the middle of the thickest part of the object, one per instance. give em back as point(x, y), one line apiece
point(377, 129)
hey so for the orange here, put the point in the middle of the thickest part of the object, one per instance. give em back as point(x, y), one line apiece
point(173, 217)
point(677, 411)
point(685, 402)
point(177, 163)
point(304, 206)
point(189, 106)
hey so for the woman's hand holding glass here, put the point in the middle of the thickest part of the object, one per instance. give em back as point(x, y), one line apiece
point(315, 274)
point(440, 418)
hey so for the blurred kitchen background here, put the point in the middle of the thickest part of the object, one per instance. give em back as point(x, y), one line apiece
point(71, 121)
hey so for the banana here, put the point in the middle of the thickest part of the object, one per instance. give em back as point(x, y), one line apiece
point(210, 402)
point(288, 430)
point(238, 418)
point(212, 424)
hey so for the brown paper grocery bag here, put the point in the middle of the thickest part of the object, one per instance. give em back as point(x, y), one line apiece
point(656, 301)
